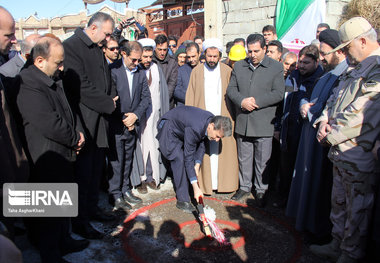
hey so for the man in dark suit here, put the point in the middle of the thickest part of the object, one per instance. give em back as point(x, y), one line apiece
point(89, 87)
point(53, 141)
point(182, 132)
point(256, 86)
point(133, 91)
point(192, 53)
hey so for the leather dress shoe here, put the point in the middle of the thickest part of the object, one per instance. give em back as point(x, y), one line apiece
point(152, 185)
point(280, 204)
point(130, 198)
point(185, 206)
point(239, 194)
point(142, 188)
point(87, 231)
point(102, 216)
point(260, 199)
point(72, 245)
point(121, 204)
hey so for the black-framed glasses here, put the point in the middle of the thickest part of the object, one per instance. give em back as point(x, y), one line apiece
point(113, 48)
point(172, 45)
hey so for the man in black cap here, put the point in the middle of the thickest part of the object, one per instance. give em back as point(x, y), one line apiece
point(310, 191)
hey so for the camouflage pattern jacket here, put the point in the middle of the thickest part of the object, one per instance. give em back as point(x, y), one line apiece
point(353, 112)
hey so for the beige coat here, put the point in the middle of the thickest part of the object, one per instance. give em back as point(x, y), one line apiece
point(228, 169)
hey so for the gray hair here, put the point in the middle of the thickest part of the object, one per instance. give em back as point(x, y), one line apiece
point(99, 18)
point(289, 54)
point(222, 123)
point(371, 35)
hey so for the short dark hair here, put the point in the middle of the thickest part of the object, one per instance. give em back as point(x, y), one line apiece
point(239, 39)
point(129, 46)
point(148, 48)
point(99, 18)
point(42, 47)
point(269, 28)
point(112, 38)
point(253, 38)
point(229, 45)
point(309, 51)
point(192, 45)
point(199, 37)
point(276, 43)
point(323, 25)
point(222, 123)
point(161, 39)
point(173, 38)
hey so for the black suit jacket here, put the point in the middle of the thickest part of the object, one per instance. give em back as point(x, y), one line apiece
point(185, 131)
point(138, 103)
point(48, 122)
point(88, 85)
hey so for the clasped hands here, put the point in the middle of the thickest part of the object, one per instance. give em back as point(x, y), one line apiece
point(249, 104)
point(323, 130)
point(130, 120)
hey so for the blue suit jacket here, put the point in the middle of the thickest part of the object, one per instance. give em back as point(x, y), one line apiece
point(138, 103)
point(183, 79)
point(184, 130)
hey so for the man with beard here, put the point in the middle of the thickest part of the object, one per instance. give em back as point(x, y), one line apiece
point(256, 86)
point(207, 90)
point(193, 53)
point(349, 124)
point(168, 64)
point(300, 86)
point(310, 191)
point(154, 170)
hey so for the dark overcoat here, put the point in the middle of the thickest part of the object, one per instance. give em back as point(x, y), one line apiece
point(88, 85)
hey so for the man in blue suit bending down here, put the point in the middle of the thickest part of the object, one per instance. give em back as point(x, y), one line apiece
point(182, 133)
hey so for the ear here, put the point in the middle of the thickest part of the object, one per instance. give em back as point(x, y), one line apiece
point(39, 62)
point(363, 42)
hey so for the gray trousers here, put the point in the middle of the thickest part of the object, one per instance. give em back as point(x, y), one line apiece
point(253, 154)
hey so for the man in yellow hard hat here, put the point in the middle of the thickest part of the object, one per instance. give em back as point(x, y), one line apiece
point(237, 53)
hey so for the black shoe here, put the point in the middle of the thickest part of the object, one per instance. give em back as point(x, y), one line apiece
point(280, 204)
point(142, 188)
point(121, 204)
point(239, 194)
point(130, 198)
point(152, 185)
point(260, 199)
point(87, 231)
point(101, 216)
point(185, 207)
point(72, 245)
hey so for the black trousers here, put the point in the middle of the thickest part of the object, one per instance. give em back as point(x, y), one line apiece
point(122, 165)
point(88, 172)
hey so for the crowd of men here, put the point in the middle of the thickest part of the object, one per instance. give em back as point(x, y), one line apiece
point(133, 113)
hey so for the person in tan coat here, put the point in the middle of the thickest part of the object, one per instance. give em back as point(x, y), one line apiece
point(207, 90)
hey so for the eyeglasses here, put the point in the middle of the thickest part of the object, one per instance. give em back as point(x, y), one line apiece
point(172, 45)
point(134, 60)
point(113, 48)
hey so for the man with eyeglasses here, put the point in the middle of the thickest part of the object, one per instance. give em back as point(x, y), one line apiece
point(167, 63)
point(111, 50)
point(349, 124)
point(133, 89)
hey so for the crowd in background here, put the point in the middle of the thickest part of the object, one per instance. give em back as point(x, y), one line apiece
point(89, 110)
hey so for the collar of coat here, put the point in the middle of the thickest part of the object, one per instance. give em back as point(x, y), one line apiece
point(39, 76)
point(83, 36)
point(265, 62)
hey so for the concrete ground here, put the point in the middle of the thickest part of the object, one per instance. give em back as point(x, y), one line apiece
point(156, 231)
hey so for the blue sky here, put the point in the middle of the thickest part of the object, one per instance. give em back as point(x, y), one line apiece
point(52, 8)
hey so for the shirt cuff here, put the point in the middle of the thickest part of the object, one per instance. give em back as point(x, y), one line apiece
point(198, 161)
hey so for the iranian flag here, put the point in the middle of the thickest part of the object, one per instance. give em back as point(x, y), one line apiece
point(297, 21)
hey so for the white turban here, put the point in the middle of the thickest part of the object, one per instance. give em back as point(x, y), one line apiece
point(213, 42)
point(147, 42)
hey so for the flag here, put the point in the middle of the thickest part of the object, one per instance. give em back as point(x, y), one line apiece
point(297, 21)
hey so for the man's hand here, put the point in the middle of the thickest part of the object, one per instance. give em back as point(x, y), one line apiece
point(130, 119)
point(80, 143)
point(197, 167)
point(122, 24)
point(375, 148)
point(305, 109)
point(323, 130)
point(114, 101)
point(249, 104)
point(197, 191)
point(131, 128)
